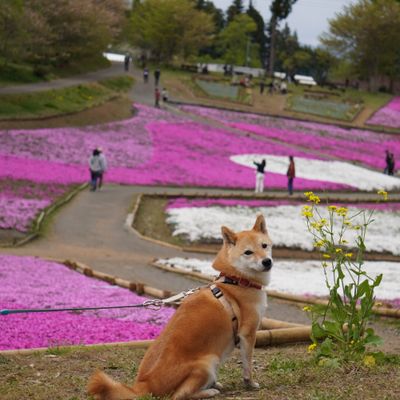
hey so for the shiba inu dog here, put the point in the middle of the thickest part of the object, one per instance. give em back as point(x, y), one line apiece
point(182, 362)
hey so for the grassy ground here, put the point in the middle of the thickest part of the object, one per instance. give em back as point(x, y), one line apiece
point(181, 88)
point(63, 101)
point(14, 74)
point(283, 373)
point(112, 110)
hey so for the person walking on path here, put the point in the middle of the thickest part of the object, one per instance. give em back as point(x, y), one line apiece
point(260, 175)
point(387, 162)
point(157, 74)
point(157, 96)
point(145, 75)
point(391, 164)
point(291, 173)
point(104, 166)
point(164, 95)
point(127, 60)
point(95, 166)
point(262, 87)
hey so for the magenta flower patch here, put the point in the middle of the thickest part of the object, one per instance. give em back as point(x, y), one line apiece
point(29, 282)
point(388, 115)
point(356, 145)
point(152, 148)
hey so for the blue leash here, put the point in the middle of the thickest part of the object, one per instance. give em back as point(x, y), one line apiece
point(154, 304)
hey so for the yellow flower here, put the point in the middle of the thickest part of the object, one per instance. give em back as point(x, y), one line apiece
point(324, 264)
point(311, 347)
point(384, 194)
point(312, 197)
point(307, 212)
point(326, 255)
point(319, 243)
point(369, 361)
point(349, 255)
point(307, 308)
point(344, 241)
point(332, 208)
point(342, 211)
point(347, 222)
point(339, 250)
point(323, 221)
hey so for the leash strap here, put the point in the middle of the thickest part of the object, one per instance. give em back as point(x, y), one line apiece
point(219, 295)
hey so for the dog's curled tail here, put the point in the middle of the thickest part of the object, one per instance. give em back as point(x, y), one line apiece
point(102, 387)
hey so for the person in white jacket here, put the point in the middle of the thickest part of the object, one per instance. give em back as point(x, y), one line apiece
point(96, 166)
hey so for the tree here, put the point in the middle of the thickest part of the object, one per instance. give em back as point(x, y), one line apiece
point(234, 40)
point(367, 34)
point(63, 32)
point(258, 36)
point(11, 30)
point(211, 51)
point(169, 28)
point(280, 10)
point(235, 9)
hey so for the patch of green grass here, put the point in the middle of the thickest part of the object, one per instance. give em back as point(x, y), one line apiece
point(329, 108)
point(119, 84)
point(283, 373)
point(63, 101)
point(11, 74)
point(150, 220)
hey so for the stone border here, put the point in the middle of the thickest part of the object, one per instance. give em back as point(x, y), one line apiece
point(38, 221)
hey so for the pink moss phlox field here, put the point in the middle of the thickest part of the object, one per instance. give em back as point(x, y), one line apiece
point(198, 155)
point(388, 115)
point(184, 202)
point(21, 201)
point(366, 147)
point(153, 148)
point(29, 282)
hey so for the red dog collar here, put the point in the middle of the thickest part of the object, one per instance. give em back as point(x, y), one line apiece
point(235, 280)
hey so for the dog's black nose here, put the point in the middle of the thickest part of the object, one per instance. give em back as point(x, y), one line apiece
point(267, 263)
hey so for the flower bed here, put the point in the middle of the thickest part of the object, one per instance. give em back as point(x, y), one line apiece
point(21, 201)
point(362, 146)
point(217, 89)
point(29, 282)
point(303, 277)
point(199, 221)
point(324, 108)
point(153, 148)
point(388, 115)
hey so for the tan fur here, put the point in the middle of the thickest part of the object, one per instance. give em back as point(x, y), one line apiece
point(183, 361)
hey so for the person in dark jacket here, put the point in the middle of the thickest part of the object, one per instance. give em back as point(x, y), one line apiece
point(291, 173)
point(260, 175)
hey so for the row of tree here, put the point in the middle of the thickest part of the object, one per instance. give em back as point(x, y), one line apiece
point(361, 43)
point(57, 33)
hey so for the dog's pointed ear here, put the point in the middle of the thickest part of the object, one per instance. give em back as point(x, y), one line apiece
point(229, 236)
point(260, 225)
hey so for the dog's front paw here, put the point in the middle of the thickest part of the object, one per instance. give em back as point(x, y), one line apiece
point(251, 384)
point(217, 385)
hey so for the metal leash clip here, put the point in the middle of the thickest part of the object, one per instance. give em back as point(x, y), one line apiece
point(153, 304)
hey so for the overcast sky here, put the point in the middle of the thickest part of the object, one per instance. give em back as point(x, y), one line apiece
point(309, 17)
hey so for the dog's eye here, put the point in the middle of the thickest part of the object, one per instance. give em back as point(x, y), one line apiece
point(264, 245)
point(248, 252)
